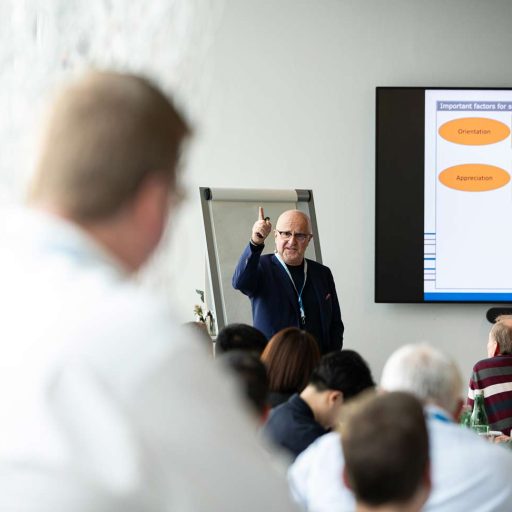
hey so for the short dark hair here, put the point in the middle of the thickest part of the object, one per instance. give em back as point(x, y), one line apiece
point(252, 375)
point(344, 371)
point(240, 337)
point(290, 357)
point(385, 445)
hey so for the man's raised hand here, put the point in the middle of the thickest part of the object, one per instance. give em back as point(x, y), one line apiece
point(261, 228)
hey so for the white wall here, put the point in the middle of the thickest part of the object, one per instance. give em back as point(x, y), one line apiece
point(292, 105)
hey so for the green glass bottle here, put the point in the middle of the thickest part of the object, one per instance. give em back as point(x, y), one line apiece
point(465, 416)
point(479, 421)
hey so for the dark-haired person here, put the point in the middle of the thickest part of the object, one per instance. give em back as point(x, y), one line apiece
point(240, 337)
point(285, 288)
point(252, 377)
point(386, 448)
point(493, 376)
point(290, 357)
point(338, 377)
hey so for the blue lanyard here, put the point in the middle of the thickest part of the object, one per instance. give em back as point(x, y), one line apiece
point(440, 417)
point(299, 295)
point(436, 414)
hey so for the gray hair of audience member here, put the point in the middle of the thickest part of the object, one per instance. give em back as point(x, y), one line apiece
point(252, 375)
point(386, 449)
point(501, 333)
point(503, 318)
point(427, 373)
point(240, 337)
point(106, 134)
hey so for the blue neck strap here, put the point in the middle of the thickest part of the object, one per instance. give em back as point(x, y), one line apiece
point(299, 294)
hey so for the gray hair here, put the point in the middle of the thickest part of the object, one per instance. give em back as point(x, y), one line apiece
point(501, 333)
point(427, 373)
point(503, 318)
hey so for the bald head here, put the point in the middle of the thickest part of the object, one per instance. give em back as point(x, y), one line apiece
point(292, 235)
point(106, 134)
point(295, 218)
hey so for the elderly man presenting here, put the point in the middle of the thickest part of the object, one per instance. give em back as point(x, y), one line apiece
point(285, 288)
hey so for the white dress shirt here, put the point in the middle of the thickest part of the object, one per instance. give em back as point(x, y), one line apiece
point(468, 473)
point(105, 403)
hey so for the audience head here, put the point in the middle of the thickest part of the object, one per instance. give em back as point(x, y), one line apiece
point(290, 357)
point(500, 338)
point(386, 450)
point(240, 337)
point(339, 376)
point(344, 371)
point(252, 376)
point(427, 373)
point(109, 157)
point(507, 319)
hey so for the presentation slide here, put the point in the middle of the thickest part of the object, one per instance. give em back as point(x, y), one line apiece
point(468, 195)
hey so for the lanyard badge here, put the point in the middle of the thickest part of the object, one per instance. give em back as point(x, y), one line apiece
point(299, 294)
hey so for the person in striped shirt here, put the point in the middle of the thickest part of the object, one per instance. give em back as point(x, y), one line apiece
point(493, 375)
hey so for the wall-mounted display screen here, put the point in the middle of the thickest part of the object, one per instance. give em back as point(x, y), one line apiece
point(443, 195)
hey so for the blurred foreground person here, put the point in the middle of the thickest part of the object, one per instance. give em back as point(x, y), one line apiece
point(468, 473)
point(385, 442)
point(290, 357)
point(106, 403)
point(339, 376)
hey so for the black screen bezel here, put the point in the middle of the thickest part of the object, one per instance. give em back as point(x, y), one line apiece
point(399, 195)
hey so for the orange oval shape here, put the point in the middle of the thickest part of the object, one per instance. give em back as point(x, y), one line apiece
point(474, 131)
point(474, 177)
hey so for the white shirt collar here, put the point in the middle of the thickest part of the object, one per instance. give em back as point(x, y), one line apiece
point(47, 233)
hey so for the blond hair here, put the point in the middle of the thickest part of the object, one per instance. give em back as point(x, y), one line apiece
point(106, 134)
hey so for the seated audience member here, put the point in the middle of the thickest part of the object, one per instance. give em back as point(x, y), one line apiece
point(385, 442)
point(240, 337)
point(290, 357)
point(494, 377)
point(252, 377)
point(467, 472)
point(338, 377)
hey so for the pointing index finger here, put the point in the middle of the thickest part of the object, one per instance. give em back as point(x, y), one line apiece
point(261, 214)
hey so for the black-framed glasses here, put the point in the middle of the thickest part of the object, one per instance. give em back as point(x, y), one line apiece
point(300, 237)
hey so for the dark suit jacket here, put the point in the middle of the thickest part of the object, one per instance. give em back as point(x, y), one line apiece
point(274, 299)
point(292, 425)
